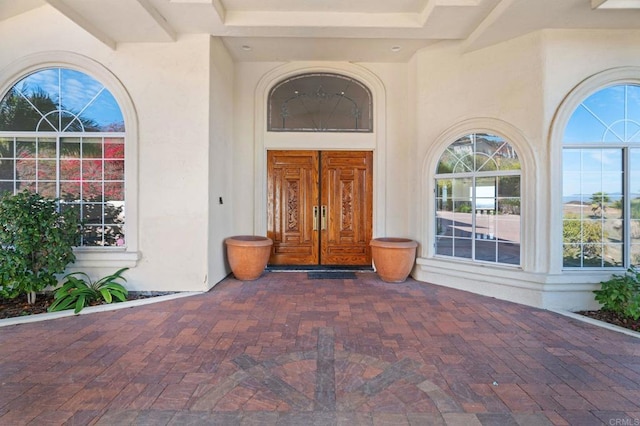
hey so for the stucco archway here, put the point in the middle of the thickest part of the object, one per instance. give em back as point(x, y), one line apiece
point(529, 187)
point(95, 257)
point(587, 87)
point(375, 141)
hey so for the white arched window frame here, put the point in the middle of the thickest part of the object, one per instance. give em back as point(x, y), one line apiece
point(94, 256)
point(478, 200)
point(616, 246)
point(528, 187)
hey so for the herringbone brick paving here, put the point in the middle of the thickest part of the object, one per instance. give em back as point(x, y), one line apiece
point(286, 350)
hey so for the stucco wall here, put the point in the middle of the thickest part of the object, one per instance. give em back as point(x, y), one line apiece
point(199, 137)
point(169, 87)
point(248, 74)
point(221, 98)
point(515, 87)
point(173, 109)
point(497, 84)
point(400, 188)
point(572, 58)
point(496, 89)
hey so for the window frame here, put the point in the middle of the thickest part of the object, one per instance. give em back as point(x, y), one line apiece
point(625, 151)
point(473, 176)
point(570, 101)
point(98, 257)
point(270, 110)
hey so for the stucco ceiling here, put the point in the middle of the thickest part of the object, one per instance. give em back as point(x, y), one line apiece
point(354, 30)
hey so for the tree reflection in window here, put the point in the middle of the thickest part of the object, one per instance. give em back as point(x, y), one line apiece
point(62, 135)
point(320, 102)
point(60, 100)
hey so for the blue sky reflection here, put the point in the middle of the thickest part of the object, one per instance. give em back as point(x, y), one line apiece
point(609, 116)
point(77, 93)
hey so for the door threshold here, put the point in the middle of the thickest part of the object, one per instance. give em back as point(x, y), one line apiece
point(319, 268)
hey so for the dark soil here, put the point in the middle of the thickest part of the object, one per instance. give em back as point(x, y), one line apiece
point(19, 307)
point(613, 318)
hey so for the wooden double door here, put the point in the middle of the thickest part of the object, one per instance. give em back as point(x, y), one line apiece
point(320, 207)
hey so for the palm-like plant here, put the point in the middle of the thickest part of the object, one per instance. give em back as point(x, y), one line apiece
point(78, 290)
point(599, 201)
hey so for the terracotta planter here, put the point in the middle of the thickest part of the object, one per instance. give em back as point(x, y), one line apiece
point(393, 258)
point(248, 255)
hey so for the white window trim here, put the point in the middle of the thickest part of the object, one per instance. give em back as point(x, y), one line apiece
point(529, 190)
point(87, 257)
point(589, 86)
point(473, 177)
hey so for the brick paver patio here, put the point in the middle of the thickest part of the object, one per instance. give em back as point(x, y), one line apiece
point(293, 351)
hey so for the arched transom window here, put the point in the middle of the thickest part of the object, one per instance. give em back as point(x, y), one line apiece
point(62, 135)
point(478, 200)
point(601, 180)
point(320, 102)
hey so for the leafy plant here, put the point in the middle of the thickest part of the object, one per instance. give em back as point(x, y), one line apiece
point(635, 207)
point(464, 208)
point(621, 294)
point(582, 239)
point(36, 242)
point(78, 291)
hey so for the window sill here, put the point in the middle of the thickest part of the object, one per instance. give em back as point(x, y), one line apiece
point(87, 258)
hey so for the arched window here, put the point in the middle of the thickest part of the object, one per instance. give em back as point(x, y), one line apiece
point(478, 200)
point(601, 180)
point(62, 135)
point(320, 102)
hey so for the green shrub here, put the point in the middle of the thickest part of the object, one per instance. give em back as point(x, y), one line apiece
point(78, 291)
point(582, 238)
point(621, 294)
point(635, 207)
point(36, 242)
point(464, 208)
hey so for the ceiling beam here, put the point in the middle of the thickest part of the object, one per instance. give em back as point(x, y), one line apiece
point(158, 18)
point(615, 4)
point(427, 11)
point(431, 5)
point(322, 19)
point(220, 10)
point(75, 17)
point(486, 23)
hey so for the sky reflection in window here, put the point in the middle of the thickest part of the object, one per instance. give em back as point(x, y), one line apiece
point(60, 100)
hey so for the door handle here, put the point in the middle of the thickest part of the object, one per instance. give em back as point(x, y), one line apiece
point(324, 218)
point(315, 218)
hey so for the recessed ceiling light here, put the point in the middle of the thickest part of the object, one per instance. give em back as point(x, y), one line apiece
point(246, 47)
point(396, 48)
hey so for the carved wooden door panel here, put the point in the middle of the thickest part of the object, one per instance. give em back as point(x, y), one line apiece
point(292, 193)
point(346, 193)
point(320, 207)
